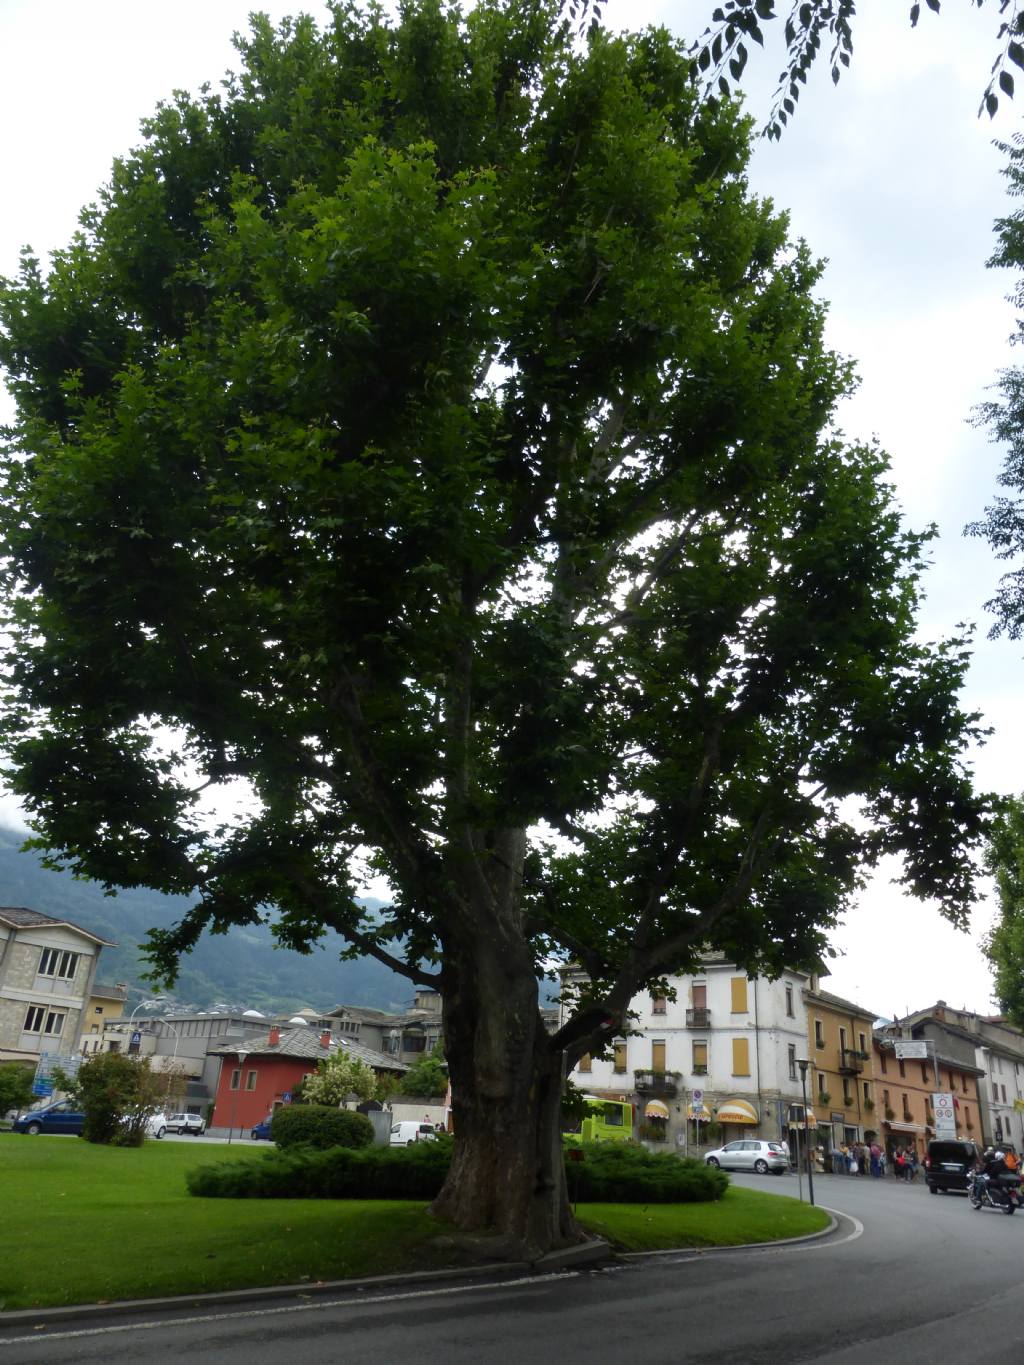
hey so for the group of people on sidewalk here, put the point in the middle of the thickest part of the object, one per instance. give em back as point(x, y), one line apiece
point(864, 1158)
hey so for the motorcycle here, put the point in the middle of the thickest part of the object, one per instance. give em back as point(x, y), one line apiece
point(1001, 1193)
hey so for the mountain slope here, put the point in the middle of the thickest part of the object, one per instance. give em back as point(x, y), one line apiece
point(242, 967)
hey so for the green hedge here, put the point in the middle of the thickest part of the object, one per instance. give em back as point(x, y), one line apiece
point(612, 1173)
point(619, 1173)
point(415, 1172)
point(320, 1126)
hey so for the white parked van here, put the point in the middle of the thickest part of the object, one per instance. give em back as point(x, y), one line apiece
point(409, 1131)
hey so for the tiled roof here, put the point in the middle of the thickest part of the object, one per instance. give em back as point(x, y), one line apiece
point(304, 1043)
point(17, 917)
point(109, 992)
point(837, 1002)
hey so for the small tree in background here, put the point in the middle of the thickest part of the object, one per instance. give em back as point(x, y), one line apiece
point(337, 1078)
point(428, 1076)
point(117, 1093)
point(15, 1087)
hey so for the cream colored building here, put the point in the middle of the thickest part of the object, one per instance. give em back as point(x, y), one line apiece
point(47, 975)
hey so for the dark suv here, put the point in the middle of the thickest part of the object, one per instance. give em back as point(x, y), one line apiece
point(949, 1164)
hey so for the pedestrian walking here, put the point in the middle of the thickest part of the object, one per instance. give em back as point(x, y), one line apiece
point(875, 1154)
point(911, 1165)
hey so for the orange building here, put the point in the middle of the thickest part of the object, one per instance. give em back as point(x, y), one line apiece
point(841, 1083)
point(904, 1087)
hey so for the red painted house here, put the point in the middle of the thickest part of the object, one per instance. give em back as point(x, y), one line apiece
point(256, 1075)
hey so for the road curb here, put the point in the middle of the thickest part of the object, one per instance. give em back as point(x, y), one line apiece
point(580, 1257)
point(833, 1225)
point(220, 1298)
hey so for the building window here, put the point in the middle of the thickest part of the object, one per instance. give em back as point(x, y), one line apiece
point(791, 1051)
point(906, 1108)
point(57, 962)
point(98, 1009)
point(842, 1040)
point(114, 1046)
point(585, 1063)
point(924, 1073)
point(819, 1033)
point(699, 995)
point(847, 1100)
point(236, 1077)
point(863, 1043)
point(658, 1003)
point(881, 1058)
point(738, 986)
point(700, 1059)
point(822, 1084)
point(250, 1081)
point(39, 1019)
point(902, 1066)
point(741, 1055)
point(658, 1054)
point(867, 1092)
point(1003, 1089)
point(967, 1116)
point(414, 1042)
point(789, 1001)
point(619, 1058)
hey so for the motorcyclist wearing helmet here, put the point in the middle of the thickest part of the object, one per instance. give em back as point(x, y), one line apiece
point(996, 1165)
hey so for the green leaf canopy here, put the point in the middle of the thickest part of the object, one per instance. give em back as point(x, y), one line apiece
point(430, 432)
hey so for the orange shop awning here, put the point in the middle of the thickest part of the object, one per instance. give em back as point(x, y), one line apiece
point(656, 1110)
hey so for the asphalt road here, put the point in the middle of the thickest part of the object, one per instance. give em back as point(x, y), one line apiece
point(908, 1277)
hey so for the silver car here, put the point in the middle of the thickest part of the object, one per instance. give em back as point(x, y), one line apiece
point(750, 1154)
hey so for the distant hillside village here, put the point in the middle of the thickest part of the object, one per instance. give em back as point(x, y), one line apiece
point(724, 1057)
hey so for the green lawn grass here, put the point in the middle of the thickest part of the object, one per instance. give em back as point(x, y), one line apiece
point(740, 1216)
point(87, 1224)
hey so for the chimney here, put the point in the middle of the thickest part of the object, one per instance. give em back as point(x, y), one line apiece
point(275, 1036)
point(325, 1038)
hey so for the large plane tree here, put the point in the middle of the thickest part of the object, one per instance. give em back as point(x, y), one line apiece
point(429, 435)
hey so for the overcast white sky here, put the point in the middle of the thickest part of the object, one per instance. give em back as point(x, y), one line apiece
point(890, 176)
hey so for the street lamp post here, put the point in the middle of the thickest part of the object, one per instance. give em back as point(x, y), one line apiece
point(241, 1054)
point(166, 1023)
point(803, 1064)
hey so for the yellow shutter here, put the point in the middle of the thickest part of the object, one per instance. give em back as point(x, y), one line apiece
point(739, 994)
point(740, 1057)
point(585, 1062)
point(700, 1057)
point(620, 1057)
point(657, 1056)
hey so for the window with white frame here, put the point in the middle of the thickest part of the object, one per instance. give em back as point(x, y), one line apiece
point(39, 1019)
point(59, 963)
point(250, 1081)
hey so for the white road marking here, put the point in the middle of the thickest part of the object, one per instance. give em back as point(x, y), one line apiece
point(165, 1323)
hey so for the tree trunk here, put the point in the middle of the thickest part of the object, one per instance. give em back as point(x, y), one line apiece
point(506, 1186)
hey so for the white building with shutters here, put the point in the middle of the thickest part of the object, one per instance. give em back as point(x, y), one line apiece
point(724, 1052)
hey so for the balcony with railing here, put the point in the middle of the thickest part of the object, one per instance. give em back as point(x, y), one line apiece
point(851, 1062)
point(698, 1018)
point(656, 1082)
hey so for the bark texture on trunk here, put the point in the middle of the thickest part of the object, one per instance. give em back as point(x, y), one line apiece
point(507, 1178)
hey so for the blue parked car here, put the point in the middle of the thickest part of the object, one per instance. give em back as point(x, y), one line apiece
point(261, 1132)
point(62, 1117)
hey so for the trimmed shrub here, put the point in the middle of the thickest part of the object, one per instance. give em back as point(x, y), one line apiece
point(319, 1126)
point(415, 1172)
point(620, 1173)
point(612, 1173)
